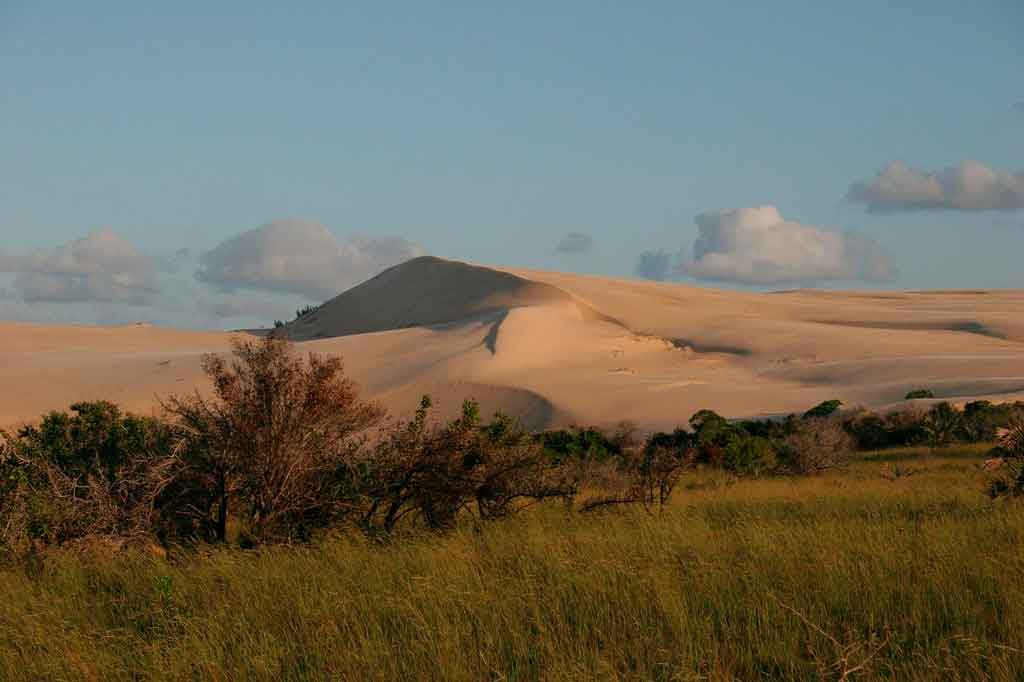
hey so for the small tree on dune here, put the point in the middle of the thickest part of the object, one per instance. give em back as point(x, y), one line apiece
point(919, 394)
point(823, 409)
point(272, 446)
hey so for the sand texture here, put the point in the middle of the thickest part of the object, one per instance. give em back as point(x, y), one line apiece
point(556, 348)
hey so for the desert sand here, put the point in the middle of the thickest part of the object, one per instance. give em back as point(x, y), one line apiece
point(558, 349)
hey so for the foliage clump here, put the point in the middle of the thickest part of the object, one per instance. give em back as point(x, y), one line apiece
point(824, 409)
point(430, 474)
point(1010, 482)
point(272, 446)
point(91, 473)
point(816, 445)
point(919, 394)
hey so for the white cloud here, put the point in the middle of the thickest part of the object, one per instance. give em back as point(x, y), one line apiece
point(757, 246)
point(575, 242)
point(968, 186)
point(100, 267)
point(292, 256)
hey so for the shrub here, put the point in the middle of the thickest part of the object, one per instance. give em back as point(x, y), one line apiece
point(95, 472)
point(649, 475)
point(824, 409)
point(430, 474)
point(905, 427)
point(679, 440)
point(942, 424)
point(815, 446)
point(1010, 482)
point(710, 427)
point(581, 444)
point(868, 431)
point(305, 310)
point(982, 420)
point(712, 434)
point(273, 447)
point(772, 429)
point(749, 455)
point(919, 394)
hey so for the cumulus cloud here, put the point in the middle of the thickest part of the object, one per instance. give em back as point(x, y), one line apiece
point(656, 265)
point(758, 246)
point(296, 257)
point(100, 267)
point(575, 242)
point(171, 262)
point(968, 186)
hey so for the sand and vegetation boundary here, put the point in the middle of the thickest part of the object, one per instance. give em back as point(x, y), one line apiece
point(283, 530)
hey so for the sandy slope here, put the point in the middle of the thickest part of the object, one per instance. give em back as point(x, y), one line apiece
point(558, 348)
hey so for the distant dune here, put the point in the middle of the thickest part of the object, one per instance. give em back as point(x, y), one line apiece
point(556, 348)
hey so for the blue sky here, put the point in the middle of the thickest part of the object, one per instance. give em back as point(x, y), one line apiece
point(490, 133)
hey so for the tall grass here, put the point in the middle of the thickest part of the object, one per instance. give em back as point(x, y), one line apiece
point(753, 580)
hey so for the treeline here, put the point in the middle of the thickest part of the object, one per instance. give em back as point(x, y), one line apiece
point(819, 439)
point(299, 314)
point(285, 449)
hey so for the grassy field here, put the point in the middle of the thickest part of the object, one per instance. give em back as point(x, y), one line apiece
point(900, 557)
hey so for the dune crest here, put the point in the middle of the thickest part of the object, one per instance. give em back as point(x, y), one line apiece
point(423, 292)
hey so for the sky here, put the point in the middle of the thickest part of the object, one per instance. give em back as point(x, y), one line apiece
point(221, 167)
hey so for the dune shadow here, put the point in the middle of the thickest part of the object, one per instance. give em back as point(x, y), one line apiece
point(964, 326)
point(491, 340)
point(710, 347)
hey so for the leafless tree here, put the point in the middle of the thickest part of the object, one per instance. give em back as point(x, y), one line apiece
point(816, 444)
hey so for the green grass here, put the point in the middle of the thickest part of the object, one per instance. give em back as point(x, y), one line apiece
point(701, 591)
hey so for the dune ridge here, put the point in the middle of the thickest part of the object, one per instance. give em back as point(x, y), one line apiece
point(426, 291)
point(558, 348)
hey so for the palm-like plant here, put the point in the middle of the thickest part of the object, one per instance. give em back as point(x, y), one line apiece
point(1011, 449)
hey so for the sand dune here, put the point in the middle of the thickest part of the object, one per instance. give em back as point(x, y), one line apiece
point(421, 292)
point(556, 348)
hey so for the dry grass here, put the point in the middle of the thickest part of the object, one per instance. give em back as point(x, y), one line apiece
point(771, 579)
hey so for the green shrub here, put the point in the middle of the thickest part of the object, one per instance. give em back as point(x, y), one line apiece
point(919, 394)
point(94, 472)
point(305, 310)
point(710, 427)
point(582, 444)
point(824, 409)
point(749, 455)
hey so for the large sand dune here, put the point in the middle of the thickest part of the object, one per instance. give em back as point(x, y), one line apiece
point(557, 348)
